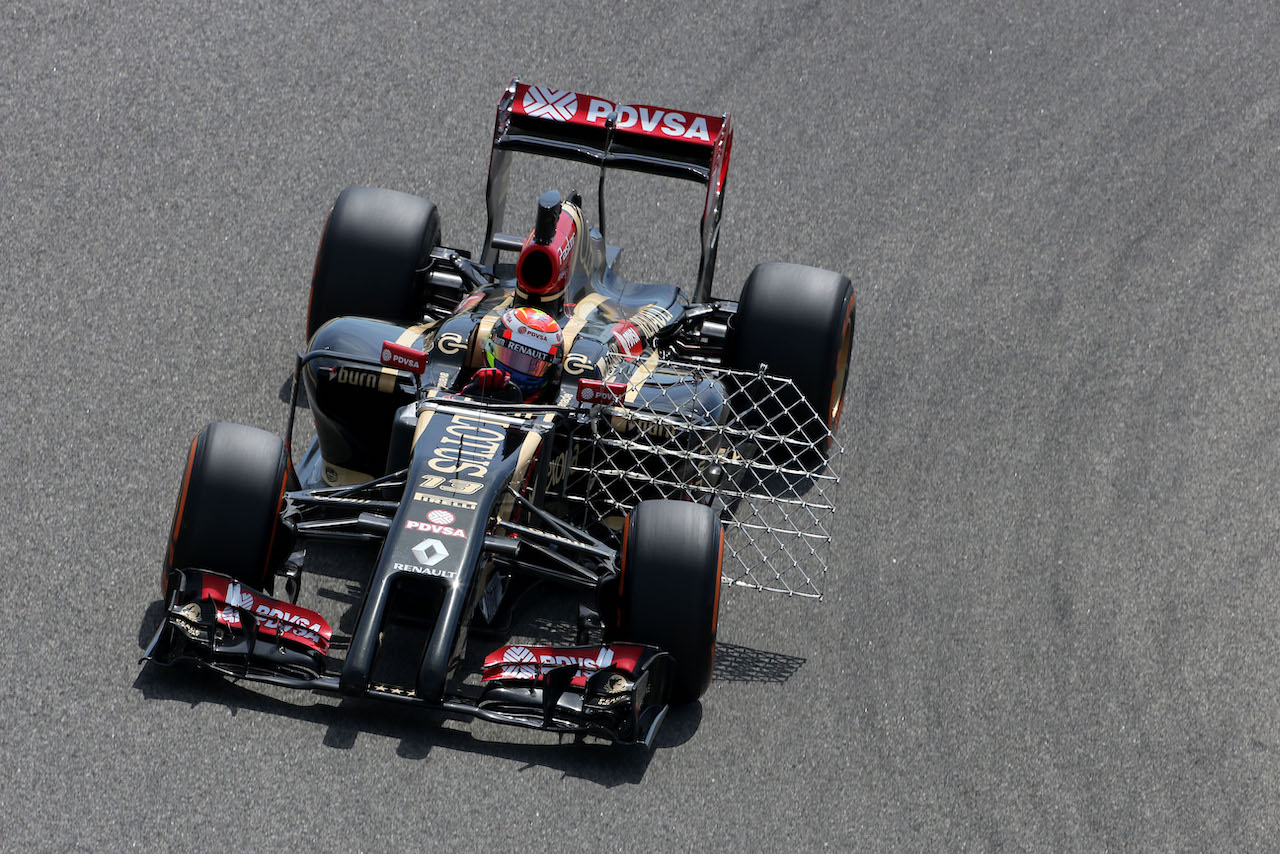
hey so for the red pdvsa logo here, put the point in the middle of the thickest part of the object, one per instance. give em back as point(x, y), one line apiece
point(404, 358)
point(545, 103)
point(601, 392)
point(628, 337)
point(439, 530)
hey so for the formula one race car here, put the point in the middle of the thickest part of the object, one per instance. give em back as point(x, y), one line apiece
point(668, 442)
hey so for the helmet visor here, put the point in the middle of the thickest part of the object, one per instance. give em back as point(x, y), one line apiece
point(521, 359)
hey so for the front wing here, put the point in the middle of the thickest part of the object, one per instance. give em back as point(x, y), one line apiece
point(612, 691)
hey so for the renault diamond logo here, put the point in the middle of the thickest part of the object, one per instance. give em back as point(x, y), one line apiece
point(430, 552)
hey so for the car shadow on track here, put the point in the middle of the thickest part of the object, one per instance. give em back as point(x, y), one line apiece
point(418, 731)
point(743, 664)
point(538, 614)
point(286, 393)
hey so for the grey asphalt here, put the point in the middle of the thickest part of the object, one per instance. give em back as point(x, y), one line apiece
point(1051, 621)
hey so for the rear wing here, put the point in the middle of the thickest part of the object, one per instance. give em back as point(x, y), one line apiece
point(640, 138)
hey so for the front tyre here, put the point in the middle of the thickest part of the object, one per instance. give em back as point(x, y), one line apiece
point(669, 588)
point(227, 518)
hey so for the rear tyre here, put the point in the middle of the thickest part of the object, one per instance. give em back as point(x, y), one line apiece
point(669, 588)
point(799, 321)
point(227, 518)
point(374, 243)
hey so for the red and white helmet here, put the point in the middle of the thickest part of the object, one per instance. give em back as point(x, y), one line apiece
point(526, 343)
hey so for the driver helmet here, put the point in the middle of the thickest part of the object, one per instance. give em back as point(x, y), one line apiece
point(527, 344)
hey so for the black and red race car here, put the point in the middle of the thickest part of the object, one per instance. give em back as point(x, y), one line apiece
point(685, 443)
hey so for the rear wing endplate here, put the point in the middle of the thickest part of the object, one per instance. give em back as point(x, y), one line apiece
point(574, 126)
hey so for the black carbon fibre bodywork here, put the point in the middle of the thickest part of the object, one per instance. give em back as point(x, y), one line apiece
point(451, 560)
point(354, 405)
point(454, 489)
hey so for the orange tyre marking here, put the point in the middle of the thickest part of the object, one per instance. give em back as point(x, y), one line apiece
point(842, 371)
point(715, 614)
point(177, 517)
point(271, 541)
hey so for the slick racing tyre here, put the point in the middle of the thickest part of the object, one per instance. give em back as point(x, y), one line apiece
point(227, 518)
point(373, 245)
point(669, 588)
point(798, 320)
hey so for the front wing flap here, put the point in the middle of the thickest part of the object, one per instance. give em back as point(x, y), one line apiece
point(217, 621)
point(617, 691)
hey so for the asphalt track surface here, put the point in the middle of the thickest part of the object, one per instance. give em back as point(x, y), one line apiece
point(1051, 621)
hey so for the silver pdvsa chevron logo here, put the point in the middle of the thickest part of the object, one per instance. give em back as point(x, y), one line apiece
point(544, 103)
point(520, 663)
